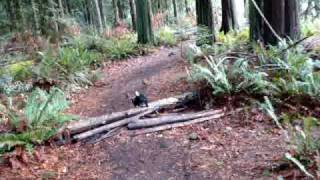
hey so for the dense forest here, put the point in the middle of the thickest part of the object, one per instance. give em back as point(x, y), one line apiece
point(159, 89)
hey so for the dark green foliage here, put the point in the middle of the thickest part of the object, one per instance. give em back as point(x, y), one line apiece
point(43, 115)
point(144, 22)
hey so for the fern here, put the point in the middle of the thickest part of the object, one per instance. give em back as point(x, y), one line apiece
point(43, 115)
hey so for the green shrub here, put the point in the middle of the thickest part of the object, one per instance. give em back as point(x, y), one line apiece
point(43, 115)
point(165, 36)
point(121, 48)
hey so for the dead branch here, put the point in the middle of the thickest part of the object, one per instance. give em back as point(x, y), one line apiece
point(145, 123)
point(176, 125)
point(109, 127)
point(93, 122)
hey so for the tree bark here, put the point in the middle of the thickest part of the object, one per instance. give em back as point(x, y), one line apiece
point(187, 7)
point(35, 17)
point(205, 15)
point(98, 16)
point(275, 13)
point(175, 13)
point(292, 28)
point(61, 8)
point(116, 12)
point(228, 16)
point(133, 14)
point(255, 21)
point(144, 21)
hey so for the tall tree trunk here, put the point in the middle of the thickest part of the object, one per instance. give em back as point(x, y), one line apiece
point(103, 17)
point(292, 28)
point(61, 8)
point(98, 16)
point(121, 10)
point(35, 17)
point(54, 16)
point(275, 13)
point(175, 9)
point(187, 7)
point(116, 12)
point(68, 9)
point(133, 14)
point(144, 21)
point(205, 15)
point(255, 20)
point(228, 16)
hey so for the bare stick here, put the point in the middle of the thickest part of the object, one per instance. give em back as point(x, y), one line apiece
point(108, 127)
point(176, 125)
point(93, 122)
point(145, 123)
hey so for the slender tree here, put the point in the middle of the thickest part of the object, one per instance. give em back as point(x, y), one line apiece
point(228, 16)
point(292, 28)
point(205, 15)
point(186, 3)
point(98, 15)
point(175, 13)
point(144, 21)
point(255, 20)
point(35, 17)
point(116, 12)
point(61, 8)
point(133, 14)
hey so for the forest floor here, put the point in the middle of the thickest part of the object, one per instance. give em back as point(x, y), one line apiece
point(241, 146)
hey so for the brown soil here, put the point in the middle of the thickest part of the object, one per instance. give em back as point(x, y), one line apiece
point(240, 146)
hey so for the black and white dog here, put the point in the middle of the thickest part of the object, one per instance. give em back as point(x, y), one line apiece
point(139, 100)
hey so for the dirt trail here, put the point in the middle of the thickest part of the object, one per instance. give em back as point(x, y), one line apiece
point(241, 146)
point(156, 75)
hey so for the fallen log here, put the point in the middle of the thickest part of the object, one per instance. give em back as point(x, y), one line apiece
point(109, 127)
point(150, 122)
point(85, 124)
point(175, 125)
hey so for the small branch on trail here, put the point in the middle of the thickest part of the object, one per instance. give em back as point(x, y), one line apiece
point(111, 126)
point(145, 123)
point(176, 125)
point(111, 133)
point(90, 123)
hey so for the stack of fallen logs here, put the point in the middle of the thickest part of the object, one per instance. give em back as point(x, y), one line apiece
point(139, 120)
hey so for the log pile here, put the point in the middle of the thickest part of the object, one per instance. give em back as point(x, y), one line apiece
point(138, 120)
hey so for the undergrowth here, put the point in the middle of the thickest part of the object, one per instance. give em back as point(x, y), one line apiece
point(38, 121)
point(237, 68)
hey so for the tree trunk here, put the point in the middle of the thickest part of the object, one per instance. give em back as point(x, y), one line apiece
point(228, 16)
point(292, 28)
point(133, 14)
point(144, 21)
point(175, 13)
point(255, 20)
point(275, 13)
point(205, 15)
point(54, 19)
point(98, 16)
point(121, 10)
point(187, 7)
point(116, 12)
point(61, 8)
point(35, 17)
point(103, 16)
